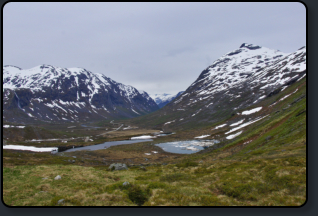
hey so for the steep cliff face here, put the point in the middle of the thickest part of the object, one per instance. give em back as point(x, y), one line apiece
point(68, 94)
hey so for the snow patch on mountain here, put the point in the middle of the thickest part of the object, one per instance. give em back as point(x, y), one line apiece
point(163, 99)
point(248, 112)
point(77, 89)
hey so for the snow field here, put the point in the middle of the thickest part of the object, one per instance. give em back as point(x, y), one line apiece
point(248, 112)
point(30, 148)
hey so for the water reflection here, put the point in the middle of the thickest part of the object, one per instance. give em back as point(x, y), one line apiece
point(186, 147)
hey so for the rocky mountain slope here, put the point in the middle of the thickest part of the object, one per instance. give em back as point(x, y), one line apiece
point(51, 93)
point(239, 79)
point(163, 99)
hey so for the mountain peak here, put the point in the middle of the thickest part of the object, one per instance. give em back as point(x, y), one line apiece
point(250, 46)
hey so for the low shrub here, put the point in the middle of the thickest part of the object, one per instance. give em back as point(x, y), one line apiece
point(137, 195)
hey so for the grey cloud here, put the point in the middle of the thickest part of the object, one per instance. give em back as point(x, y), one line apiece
point(157, 47)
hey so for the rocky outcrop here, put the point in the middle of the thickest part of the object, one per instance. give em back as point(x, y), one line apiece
point(118, 166)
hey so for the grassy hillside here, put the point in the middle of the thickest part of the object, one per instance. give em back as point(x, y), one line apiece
point(264, 166)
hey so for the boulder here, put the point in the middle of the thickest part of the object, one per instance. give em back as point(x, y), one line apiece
point(118, 166)
point(61, 201)
point(58, 177)
point(126, 183)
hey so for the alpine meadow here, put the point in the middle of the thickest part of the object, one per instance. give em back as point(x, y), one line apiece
point(235, 136)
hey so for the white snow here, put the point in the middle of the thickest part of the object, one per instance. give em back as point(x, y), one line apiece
point(202, 136)
point(284, 88)
point(30, 114)
point(46, 76)
point(192, 148)
point(286, 96)
point(234, 135)
point(30, 148)
point(12, 126)
point(162, 98)
point(196, 112)
point(237, 123)
point(220, 126)
point(135, 111)
point(169, 122)
point(147, 154)
point(244, 125)
point(260, 98)
point(143, 137)
point(248, 112)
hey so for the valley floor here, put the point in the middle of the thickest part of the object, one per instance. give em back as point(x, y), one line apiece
point(230, 176)
point(266, 165)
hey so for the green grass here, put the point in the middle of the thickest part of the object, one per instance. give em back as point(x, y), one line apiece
point(269, 170)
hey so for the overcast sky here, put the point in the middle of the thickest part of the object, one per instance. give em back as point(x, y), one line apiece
point(156, 47)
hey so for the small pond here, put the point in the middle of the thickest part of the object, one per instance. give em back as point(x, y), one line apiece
point(107, 144)
point(186, 147)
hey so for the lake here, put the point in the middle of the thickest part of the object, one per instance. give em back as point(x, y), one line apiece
point(186, 147)
point(107, 144)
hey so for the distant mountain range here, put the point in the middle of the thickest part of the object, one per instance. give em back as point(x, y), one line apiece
point(49, 93)
point(163, 99)
point(239, 79)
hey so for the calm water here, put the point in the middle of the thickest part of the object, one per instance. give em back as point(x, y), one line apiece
point(90, 126)
point(107, 144)
point(186, 147)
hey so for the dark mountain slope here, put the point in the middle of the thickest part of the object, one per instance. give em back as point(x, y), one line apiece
point(239, 79)
point(50, 93)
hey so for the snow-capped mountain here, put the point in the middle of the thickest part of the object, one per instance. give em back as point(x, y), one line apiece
point(52, 93)
point(163, 99)
point(238, 79)
point(248, 68)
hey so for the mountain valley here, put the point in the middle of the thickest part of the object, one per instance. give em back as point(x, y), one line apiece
point(250, 105)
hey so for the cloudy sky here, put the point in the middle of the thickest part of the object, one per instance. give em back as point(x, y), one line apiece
point(156, 47)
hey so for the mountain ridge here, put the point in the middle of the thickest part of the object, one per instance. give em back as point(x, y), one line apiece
point(239, 79)
point(54, 90)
